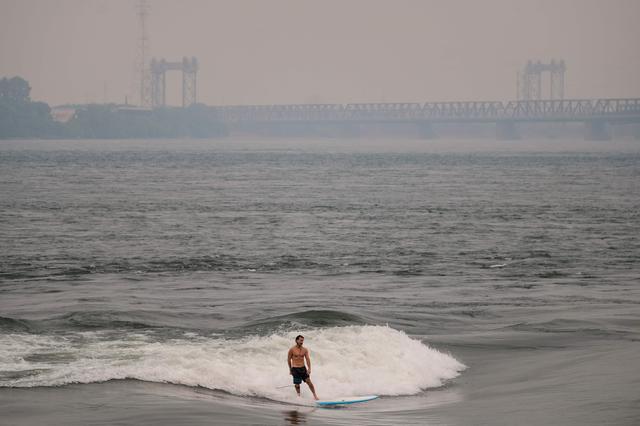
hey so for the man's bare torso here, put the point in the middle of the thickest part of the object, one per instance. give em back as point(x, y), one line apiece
point(297, 356)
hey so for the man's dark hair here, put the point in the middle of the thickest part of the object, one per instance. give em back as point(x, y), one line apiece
point(299, 336)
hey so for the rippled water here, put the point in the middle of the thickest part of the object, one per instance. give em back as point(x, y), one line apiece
point(466, 282)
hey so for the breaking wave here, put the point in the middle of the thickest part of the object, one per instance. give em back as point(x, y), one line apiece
point(347, 360)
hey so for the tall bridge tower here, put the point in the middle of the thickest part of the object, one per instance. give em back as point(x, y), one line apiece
point(159, 68)
point(531, 81)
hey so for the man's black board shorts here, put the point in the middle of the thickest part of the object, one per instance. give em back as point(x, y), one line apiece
point(299, 374)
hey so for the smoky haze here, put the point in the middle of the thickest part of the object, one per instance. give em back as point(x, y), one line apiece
point(329, 51)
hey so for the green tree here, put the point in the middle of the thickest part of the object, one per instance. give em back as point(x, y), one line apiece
point(19, 116)
point(15, 89)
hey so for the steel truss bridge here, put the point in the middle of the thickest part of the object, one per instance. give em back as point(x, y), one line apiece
point(584, 110)
point(596, 114)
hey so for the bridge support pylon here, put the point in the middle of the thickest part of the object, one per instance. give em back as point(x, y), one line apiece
point(506, 130)
point(425, 131)
point(350, 130)
point(159, 68)
point(597, 130)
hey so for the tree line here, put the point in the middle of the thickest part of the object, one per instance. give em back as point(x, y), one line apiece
point(20, 117)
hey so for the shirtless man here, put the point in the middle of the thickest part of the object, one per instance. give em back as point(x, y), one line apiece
point(295, 360)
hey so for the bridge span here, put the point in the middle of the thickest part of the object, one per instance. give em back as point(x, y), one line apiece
point(597, 114)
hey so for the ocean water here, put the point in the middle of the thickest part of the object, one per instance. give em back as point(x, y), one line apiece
point(465, 282)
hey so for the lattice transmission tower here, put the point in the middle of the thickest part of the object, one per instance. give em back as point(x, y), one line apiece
point(142, 67)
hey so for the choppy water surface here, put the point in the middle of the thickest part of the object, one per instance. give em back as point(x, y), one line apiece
point(465, 282)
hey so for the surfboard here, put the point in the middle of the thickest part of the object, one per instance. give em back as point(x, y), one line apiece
point(345, 400)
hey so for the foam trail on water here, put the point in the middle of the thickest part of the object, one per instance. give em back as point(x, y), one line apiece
point(354, 360)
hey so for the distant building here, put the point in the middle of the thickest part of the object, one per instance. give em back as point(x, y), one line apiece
point(62, 114)
point(130, 109)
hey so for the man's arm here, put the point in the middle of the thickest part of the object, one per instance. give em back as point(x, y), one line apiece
point(308, 358)
point(289, 356)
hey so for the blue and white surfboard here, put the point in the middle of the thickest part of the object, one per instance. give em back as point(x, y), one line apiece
point(345, 400)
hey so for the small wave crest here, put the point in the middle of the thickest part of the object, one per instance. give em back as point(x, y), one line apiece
point(346, 361)
point(304, 320)
point(84, 320)
point(14, 325)
point(43, 267)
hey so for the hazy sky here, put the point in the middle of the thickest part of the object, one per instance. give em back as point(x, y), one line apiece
point(334, 51)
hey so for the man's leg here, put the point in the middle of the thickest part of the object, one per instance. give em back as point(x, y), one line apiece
point(313, 389)
point(297, 389)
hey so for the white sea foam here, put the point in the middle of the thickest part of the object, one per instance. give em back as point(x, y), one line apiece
point(345, 361)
